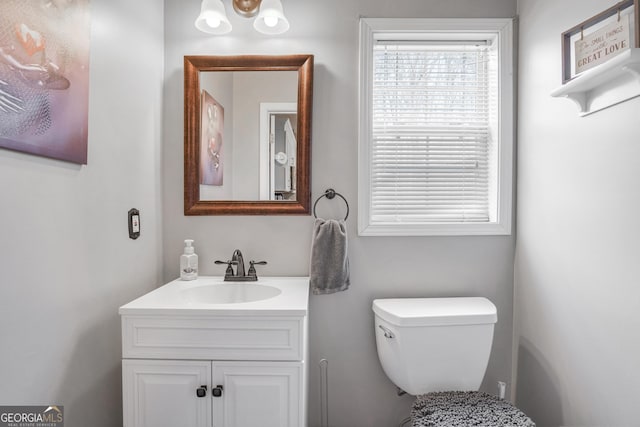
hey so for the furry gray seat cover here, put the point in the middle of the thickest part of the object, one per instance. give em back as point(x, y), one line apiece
point(466, 409)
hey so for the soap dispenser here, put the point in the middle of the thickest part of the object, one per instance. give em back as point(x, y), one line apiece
point(188, 262)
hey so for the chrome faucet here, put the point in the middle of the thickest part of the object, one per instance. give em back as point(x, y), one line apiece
point(239, 261)
point(240, 275)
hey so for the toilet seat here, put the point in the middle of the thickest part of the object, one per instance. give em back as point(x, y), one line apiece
point(462, 409)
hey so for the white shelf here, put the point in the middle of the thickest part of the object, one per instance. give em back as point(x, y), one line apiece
point(611, 83)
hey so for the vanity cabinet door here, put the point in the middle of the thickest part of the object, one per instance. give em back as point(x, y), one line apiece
point(164, 393)
point(258, 394)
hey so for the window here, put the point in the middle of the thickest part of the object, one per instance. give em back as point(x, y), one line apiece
point(436, 127)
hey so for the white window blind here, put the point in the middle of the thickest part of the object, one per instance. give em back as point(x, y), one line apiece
point(433, 105)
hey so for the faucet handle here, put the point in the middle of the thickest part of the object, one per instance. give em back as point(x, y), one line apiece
point(252, 269)
point(229, 263)
point(229, 271)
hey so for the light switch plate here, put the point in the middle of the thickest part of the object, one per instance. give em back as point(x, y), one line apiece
point(134, 223)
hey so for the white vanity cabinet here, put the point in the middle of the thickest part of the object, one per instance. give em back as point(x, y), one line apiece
point(162, 393)
point(170, 393)
point(233, 365)
point(260, 394)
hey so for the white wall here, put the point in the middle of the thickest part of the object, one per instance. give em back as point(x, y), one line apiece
point(341, 325)
point(577, 295)
point(66, 259)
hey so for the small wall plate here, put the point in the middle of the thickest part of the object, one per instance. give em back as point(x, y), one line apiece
point(134, 223)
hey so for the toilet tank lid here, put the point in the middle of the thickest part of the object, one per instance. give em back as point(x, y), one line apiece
point(436, 311)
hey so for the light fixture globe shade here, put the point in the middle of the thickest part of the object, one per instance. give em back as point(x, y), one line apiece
point(271, 19)
point(213, 18)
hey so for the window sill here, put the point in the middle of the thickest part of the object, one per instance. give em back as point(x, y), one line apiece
point(470, 229)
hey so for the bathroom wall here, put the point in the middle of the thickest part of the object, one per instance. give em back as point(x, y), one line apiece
point(576, 271)
point(341, 325)
point(66, 259)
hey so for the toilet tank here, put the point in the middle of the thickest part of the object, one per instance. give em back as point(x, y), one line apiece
point(434, 344)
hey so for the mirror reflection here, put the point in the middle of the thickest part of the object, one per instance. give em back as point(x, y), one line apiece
point(278, 150)
point(247, 141)
point(248, 135)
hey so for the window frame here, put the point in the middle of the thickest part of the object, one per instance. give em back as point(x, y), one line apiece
point(501, 31)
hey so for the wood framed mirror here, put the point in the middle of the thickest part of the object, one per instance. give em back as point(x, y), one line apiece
point(236, 110)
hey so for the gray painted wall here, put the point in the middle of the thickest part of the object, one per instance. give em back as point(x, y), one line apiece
point(341, 325)
point(577, 296)
point(66, 259)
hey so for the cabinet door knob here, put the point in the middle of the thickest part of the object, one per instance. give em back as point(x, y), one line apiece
point(201, 391)
point(217, 392)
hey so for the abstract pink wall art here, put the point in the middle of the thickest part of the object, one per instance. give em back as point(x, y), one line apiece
point(44, 77)
point(212, 119)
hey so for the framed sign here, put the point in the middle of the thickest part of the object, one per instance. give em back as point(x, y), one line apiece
point(600, 38)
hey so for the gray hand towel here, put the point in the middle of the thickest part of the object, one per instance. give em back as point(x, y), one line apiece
point(329, 269)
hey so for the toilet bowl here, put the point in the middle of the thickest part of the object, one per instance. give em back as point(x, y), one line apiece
point(434, 344)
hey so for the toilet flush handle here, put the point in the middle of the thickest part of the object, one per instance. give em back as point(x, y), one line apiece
point(387, 332)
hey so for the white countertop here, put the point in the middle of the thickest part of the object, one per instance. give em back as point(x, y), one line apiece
point(170, 299)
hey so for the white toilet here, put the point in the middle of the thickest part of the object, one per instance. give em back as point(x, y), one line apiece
point(434, 344)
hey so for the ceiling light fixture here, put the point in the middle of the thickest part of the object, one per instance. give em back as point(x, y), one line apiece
point(213, 18)
point(270, 16)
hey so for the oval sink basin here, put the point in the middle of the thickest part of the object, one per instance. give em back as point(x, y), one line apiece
point(229, 293)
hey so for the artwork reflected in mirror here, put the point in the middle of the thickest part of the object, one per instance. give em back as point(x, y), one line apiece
point(250, 139)
point(212, 119)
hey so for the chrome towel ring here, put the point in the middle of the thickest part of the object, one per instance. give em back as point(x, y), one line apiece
point(330, 194)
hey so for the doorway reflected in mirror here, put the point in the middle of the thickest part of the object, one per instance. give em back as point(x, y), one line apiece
point(278, 150)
